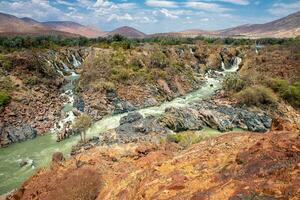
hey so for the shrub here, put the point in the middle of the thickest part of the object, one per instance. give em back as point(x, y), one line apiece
point(121, 74)
point(158, 59)
point(6, 64)
point(185, 139)
point(256, 96)
point(233, 82)
point(32, 80)
point(81, 124)
point(4, 99)
point(103, 85)
point(6, 84)
point(289, 92)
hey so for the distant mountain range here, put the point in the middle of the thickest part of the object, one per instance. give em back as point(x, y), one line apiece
point(11, 25)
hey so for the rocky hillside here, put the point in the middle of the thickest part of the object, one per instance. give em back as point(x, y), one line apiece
point(11, 25)
point(285, 27)
point(31, 82)
point(128, 32)
point(120, 80)
point(75, 28)
point(232, 166)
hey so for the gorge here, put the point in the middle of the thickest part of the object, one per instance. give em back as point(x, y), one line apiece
point(147, 94)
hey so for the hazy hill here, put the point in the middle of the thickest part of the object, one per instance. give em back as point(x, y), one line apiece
point(127, 32)
point(72, 27)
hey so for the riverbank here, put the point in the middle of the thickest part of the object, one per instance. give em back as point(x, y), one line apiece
point(244, 165)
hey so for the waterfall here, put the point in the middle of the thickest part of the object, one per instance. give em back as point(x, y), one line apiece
point(76, 63)
point(58, 70)
point(66, 68)
point(223, 66)
point(191, 51)
point(235, 66)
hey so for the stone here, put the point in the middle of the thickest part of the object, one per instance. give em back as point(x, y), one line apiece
point(131, 117)
point(23, 163)
point(58, 157)
point(181, 119)
point(79, 103)
point(149, 102)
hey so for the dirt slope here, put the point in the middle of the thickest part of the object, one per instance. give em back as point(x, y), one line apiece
point(233, 166)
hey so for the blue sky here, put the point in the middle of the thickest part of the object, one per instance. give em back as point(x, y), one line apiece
point(152, 16)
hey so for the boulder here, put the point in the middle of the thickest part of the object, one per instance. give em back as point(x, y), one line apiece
point(79, 103)
point(149, 102)
point(181, 119)
point(131, 117)
point(11, 134)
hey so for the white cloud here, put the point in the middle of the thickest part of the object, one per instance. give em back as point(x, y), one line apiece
point(211, 7)
point(38, 9)
point(283, 9)
point(161, 3)
point(116, 17)
point(238, 2)
point(168, 13)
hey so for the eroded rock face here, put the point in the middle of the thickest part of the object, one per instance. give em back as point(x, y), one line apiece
point(36, 99)
point(181, 119)
point(221, 117)
point(13, 134)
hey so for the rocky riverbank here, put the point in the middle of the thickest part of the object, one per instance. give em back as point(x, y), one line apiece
point(135, 128)
point(232, 166)
point(36, 79)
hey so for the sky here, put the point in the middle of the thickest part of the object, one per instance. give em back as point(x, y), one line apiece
point(153, 16)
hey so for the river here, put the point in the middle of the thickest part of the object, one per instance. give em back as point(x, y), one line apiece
point(38, 152)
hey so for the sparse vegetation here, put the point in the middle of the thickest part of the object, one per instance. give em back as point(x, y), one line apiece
point(289, 92)
point(186, 138)
point(256, 96)
point(233, 83)
point(81, 124)
point(4, 99)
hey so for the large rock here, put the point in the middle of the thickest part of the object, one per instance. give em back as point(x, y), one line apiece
point(181, 119)
point(131, 117)
point(79, 103)
point(11, 134)
point(121, 106)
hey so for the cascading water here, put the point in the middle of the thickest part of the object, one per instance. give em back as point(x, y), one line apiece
point(41, 149)
point(234, 67)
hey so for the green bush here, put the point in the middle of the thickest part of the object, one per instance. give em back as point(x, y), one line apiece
point(6, 64)
point(121, 74)
point(32, 80)
point(256, 96)
point(4, 98)
point(289, 92)
point(6, 84)
point(158, 59)
point(102, 85)
point(233, 82)
point(185, 139)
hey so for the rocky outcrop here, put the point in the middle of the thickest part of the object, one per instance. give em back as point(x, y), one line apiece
point(13, 134)
point(221, 117)
point(37, 79)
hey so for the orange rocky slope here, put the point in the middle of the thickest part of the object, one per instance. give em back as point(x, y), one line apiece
point(233, 166)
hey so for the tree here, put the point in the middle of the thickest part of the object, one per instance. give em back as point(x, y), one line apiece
point(81, 124)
